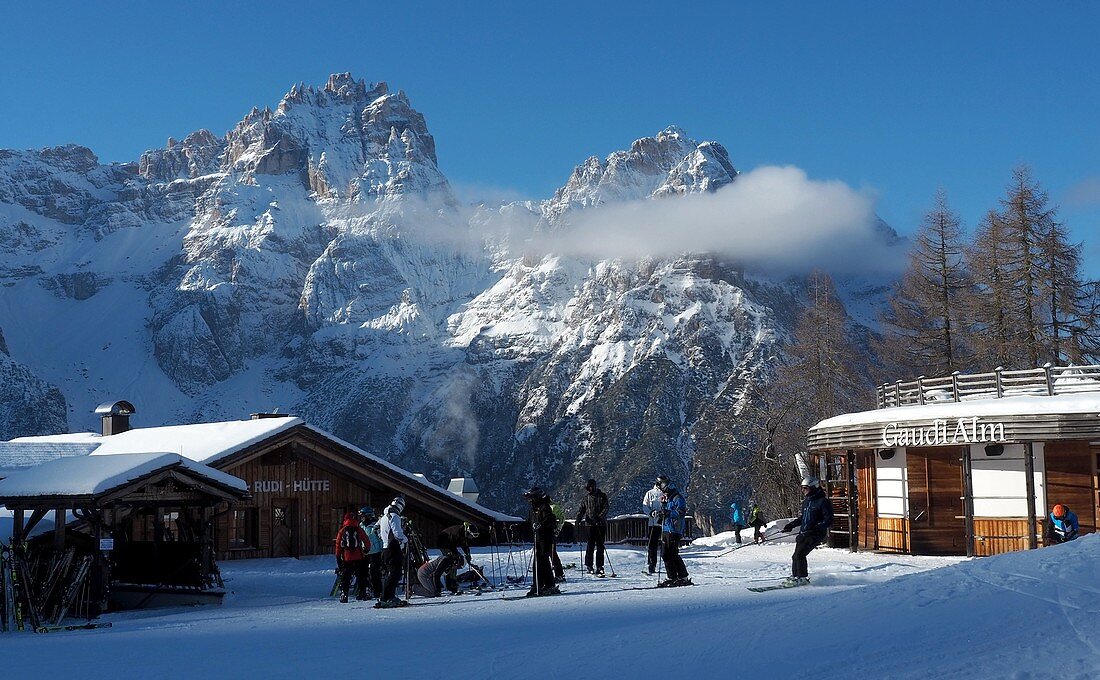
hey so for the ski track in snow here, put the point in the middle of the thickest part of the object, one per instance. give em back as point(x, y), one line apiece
point(1022, 615)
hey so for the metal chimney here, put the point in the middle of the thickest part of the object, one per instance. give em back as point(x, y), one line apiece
point(465, 487)
point(115, 416)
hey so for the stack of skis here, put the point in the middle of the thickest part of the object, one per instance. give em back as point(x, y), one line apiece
point(39, 592)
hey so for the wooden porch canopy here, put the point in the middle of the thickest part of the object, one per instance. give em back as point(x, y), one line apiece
point(115, 481)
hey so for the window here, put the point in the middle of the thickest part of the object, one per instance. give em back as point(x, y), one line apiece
point(243, 528)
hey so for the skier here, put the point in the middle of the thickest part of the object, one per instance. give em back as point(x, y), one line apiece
point(737, 517)
point(394, 543)
point(369, 523)
point(756, 521)
point(594, 510)
point(351, 541)
point(673, 514)
point(559, 523)
point(454, 542)
point(651, 505)
point(1062, 525)
point(815, 520)
point(542, 524)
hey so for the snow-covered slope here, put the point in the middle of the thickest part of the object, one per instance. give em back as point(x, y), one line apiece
point(1022, 615)
point(314, 259)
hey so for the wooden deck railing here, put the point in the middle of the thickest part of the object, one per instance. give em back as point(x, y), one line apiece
point(1048, 381)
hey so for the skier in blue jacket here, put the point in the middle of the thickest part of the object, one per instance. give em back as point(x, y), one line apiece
point(815, 520)
point(673, 514)
point(737, 518)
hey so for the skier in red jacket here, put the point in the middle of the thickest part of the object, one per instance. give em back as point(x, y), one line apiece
point(351, 551)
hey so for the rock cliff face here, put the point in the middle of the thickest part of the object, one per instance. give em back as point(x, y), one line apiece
point(315, 259)
point(28, 406)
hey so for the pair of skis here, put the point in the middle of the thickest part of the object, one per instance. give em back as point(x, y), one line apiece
point(782, 585)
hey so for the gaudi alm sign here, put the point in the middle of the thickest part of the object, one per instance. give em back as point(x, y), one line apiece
point(298, 485)
point(943, 432)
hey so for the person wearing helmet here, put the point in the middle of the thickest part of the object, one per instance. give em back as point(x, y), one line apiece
point(394, 543)
point(815, 519)
point(651, 506)
point(593, 510)
point(368, 522)
point(351, 544)
point(1062, 525)
point(542, 525)
point(756, 521)
point(674, 516)
point(555, 560)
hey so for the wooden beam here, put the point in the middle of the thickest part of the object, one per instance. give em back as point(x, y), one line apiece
point(59, 529)
point(1029, 482)
point(36, 516)
point(17, 529)
point(968, 499)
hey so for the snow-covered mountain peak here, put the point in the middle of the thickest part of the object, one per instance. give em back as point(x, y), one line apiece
point(668, 163)
point(346, 141)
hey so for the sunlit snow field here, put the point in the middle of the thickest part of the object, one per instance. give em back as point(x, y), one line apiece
point(1022, 615)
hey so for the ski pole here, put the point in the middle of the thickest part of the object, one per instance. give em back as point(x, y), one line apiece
point(607, 554)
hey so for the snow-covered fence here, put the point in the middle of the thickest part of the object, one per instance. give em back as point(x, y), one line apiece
point(1047, 380)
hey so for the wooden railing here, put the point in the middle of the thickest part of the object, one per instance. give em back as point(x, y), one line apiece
point(1047, 381)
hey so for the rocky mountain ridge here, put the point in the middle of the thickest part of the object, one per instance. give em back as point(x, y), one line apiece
point(315, 259)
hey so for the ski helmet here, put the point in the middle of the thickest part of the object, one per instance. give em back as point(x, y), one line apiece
point(398, 504)
point(366, 512)
point(812, 482)
point(533, 494)
point(471, 530)
point(663, 482)
point(1059, 511)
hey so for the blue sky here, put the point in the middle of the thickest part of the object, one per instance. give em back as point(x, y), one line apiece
point(891, 98)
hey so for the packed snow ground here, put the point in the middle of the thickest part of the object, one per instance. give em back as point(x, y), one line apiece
point(1022, 615)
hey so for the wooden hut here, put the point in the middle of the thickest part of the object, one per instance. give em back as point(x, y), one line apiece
point(964, 464)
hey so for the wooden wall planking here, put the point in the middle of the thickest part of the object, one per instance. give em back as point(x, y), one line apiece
point(996, 535)
point(893, 534)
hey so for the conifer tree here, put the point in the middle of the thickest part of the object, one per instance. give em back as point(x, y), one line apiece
point(995, 340)
point(924, 322)
point(1027, 219)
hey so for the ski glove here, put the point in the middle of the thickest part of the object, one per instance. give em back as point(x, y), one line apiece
point(787, 527)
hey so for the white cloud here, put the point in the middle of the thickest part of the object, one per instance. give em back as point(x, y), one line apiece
point(771, 217)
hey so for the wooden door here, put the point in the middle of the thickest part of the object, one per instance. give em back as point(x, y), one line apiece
point(936, 522)
point(1070, 481)
point(283, 538)
point(868, 510)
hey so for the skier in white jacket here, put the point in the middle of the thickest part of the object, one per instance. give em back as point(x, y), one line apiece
point(394, 543)
point(651, 505)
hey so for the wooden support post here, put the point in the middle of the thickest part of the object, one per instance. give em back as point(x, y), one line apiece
point(853, 507)
point(59, 529)
point(17, 526)
point(968, 500)
point(1029, 474)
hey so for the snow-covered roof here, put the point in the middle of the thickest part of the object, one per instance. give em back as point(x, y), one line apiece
point(210, 442)
point(200, 442)
point(435, 488)
point(1066, 404)
point(15, 457)
point(91, 475)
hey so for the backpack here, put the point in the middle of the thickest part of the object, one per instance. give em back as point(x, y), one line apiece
point(350, 539)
